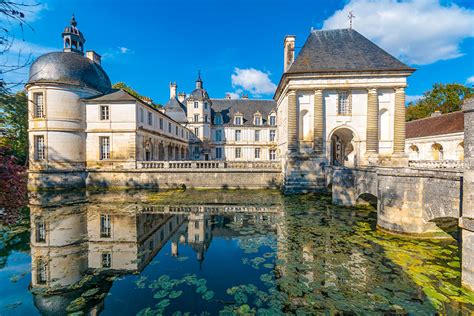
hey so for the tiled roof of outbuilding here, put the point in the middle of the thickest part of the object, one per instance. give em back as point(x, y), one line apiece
point(438, 125)
point(343, 50)
point(246, 107)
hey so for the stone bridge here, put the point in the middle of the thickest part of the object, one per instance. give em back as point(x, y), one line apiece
point(411, 201)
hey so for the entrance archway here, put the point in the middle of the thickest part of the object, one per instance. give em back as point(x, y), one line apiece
point(343, 151)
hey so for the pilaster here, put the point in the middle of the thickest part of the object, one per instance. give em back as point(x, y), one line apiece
point(372, 132)
point(318, 122)
point(292, 122)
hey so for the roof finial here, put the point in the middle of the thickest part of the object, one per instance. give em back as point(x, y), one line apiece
point(199, 75)
point(351, 16)
point(73, 21)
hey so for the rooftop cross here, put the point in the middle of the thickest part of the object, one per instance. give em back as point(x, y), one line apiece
point(351, 16)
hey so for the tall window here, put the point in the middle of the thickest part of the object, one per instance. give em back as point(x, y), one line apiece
point(169, 127)
point(218, 152)
point(218, 135)
point(161, 123)
point(196, 105)
point(176, 130)
point(205, 119)
point(238, 120)
point(40, 230)
point(106, 259)
point(257, 135)
point(272, 154)
point(238, 152)
point(218, 119)
point(205, 105)
point(257, 153)
point(272, 135)
point(141, 115)
point(39, 148)
point(196, 131)
point(105, 226)
point(257, 120)
point(104, 112)
point(196, 117)
point(38, 104)
point(238, 132)
point(41, 272)
point(150, 118)
point(104, 147)
point(273, 120)
point(344, 104)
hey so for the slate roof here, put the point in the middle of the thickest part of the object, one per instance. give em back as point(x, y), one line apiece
point(247, 107)
point(114, 95)
point(343, 50)
point(176, 110)
point(438, 125)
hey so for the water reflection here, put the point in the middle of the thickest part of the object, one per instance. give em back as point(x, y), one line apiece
point(234, 252)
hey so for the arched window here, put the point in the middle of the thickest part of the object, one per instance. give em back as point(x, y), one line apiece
point(68, 43)
point(437, 151)
point(460, 151)
point(414, 152)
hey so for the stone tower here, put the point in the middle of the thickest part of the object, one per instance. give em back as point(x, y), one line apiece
point(58, 81)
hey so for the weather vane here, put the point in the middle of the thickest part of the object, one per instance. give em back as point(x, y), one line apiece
point(351, 16)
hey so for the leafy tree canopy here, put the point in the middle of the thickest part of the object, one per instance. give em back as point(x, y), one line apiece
point(14, 124)
point(445, 98)
point(124, 86)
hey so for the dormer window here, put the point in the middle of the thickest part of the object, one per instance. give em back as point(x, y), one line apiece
point(344, 103)
point(205, 105)
point(218, 119)
point(272, 120)
point(257, 120)
point(238, 120)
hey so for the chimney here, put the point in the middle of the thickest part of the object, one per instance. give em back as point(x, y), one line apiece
point(93, 56)
point(245, 96)
point(289, 51)
point(147, 100)
point(173, 88)
point(227, 96)
point(181, 97)
point(435, 113)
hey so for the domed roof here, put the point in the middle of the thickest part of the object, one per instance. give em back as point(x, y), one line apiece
point(199, 94)
point(69, 68)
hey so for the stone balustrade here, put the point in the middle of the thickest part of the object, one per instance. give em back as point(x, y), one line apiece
point(436, 164)
point(217, 164)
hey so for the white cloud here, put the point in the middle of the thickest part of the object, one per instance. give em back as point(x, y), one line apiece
point(413, 98)
point(416, 31)
point(255, 81)
point(114, 52)
point(233, 95)
point(470, 80)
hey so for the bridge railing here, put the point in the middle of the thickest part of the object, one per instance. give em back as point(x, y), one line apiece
point(436, 164)
point(212, 164)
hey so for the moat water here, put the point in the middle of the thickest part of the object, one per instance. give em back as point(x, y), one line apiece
point(219, 252)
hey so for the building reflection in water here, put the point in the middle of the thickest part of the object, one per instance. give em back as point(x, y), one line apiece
point(80, 241)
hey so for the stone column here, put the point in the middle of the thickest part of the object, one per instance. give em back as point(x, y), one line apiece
point(372, 132)
point(399, 122)
point(318, 121)
point(292, 122)
point(467, 219)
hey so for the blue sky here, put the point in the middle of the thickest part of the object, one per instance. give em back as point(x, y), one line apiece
point(237, 45)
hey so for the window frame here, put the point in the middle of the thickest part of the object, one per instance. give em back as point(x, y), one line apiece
point(238, 133)
point(272, 120)
point(239, 151)
point(104, 115)
point(38, 111)
point(105, 226)
point(257, 152)
point(104, 154)
point(256, 135)
point(40, 151)
point(345, 109)
point(272, 135)
point(238, 120)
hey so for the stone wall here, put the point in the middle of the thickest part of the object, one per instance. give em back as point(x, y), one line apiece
point(168, 179)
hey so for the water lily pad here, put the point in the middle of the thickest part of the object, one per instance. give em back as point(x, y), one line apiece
point(208, 295)
point(175, 294)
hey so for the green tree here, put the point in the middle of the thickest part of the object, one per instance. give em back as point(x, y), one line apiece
point(445, 98)
point(122, 85)
point(14, 124)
